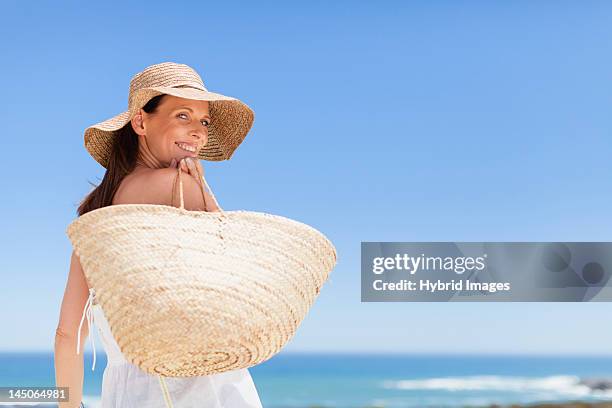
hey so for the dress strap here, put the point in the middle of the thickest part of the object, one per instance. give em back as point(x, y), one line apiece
point(88, 312)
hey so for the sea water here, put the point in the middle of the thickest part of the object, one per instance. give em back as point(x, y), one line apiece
point(364, 380)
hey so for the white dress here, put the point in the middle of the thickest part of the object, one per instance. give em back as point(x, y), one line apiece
point(124, 385)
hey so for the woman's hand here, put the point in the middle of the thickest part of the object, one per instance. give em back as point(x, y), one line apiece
point(193, 167)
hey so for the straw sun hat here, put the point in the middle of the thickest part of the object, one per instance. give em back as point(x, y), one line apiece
point(189, 293)
point(231, 119)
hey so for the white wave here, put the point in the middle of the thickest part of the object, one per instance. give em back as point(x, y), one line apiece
point(564, 384)
point(91, 401)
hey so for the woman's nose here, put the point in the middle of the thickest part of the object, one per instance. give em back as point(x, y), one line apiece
point(200, 136)
point(198, 133)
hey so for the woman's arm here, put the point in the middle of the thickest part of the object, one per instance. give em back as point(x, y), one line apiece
point(69, 365)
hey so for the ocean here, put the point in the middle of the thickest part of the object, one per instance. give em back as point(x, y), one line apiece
point(292, 380)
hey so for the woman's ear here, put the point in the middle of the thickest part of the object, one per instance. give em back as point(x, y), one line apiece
point(138, 124)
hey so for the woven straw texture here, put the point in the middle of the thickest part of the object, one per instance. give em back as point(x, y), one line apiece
point(230, 118)
point(191, 293)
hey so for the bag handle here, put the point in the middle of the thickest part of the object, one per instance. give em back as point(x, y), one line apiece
point(201, 182)
point(165, 392)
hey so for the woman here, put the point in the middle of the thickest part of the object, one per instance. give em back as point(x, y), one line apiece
point(172, 120)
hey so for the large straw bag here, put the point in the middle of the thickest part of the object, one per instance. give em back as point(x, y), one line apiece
point(189, 293)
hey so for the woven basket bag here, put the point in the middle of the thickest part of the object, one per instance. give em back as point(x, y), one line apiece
point(190, 293)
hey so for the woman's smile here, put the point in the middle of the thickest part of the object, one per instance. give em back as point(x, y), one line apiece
point(185, 147)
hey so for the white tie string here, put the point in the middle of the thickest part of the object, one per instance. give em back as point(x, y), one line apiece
point(87, 311)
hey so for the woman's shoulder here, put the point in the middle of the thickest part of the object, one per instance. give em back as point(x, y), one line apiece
point(156, 186)
point(145, 187)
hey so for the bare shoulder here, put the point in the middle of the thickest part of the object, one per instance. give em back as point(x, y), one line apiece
point(156, 187)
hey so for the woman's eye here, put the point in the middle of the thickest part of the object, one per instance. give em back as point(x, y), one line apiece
point(204, 122)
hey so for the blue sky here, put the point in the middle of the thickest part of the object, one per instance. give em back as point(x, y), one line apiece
point(393, 121)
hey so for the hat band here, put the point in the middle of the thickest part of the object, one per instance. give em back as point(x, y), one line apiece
point(189, 86)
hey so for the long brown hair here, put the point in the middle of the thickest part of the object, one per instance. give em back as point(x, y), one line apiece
point(122, 162)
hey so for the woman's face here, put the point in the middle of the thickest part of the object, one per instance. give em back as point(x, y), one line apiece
point(177, 129)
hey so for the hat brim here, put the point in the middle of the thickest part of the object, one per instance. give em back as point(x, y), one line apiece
point(231, 120)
